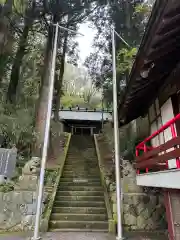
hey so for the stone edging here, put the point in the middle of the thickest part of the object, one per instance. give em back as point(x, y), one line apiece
point(51, 202)
point(106, 196)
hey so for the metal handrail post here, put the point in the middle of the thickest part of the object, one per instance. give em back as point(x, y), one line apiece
point(46, 138)
point(116, 142)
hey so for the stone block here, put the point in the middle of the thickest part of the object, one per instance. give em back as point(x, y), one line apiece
point(31, 208)
point(132, 210)
point(44, 225)
point(17, 197)
point(27, 182)
point(127, 199)
point(129, 219)
point(114, 207)
point(14, 219)
point(115, 217)
point(158, 213)
point(1, 196)
point(9, 219)
point(140, 198)
point(140, 208)
point(151, 225)
point(107, 182)
point(3, 219)
point(146, 213)
point(27, 222)
point(8, 197)
point(112, 187)
point(27, 197)
point(153, 200)
point(141, 223)
point(113, 197)
point(125, 208)
point(23, 208)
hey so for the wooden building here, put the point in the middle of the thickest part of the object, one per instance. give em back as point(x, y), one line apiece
point(154, 90)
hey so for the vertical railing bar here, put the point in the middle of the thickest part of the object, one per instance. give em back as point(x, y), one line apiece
point(174, 134)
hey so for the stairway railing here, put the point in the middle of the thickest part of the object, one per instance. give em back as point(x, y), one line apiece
point(163, 157)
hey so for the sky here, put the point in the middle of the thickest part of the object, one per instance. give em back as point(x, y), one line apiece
point(85, 42)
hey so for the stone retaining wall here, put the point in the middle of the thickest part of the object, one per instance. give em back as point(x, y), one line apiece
point(142, 211)
point(18, 209)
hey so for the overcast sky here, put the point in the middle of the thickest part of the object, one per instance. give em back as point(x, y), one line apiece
point(85, 42)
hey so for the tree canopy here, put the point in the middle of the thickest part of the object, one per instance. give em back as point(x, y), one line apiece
point(129, 19)
point(26, 44)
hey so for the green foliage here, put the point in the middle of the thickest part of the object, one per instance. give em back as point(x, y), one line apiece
point(19, 6)
point(142, 8)
point(129, 147)
point(7, 187)
point(125, 59)
point(16, 125)
point(50, 177)
point(73, 100)
point(129, 19)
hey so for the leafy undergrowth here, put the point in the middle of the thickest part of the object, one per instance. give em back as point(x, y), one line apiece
point(50, 177)
point(7, 187)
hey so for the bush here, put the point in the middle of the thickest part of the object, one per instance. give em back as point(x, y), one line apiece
point(7, 187)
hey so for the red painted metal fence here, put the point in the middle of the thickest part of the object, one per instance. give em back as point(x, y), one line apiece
point(143, 147)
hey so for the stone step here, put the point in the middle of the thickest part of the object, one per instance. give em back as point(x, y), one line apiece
point(80, 188)
point(80, 183)
point(70, 174)
point(78, 217)
point(80, 193)
point(77, 230)
point(80, 210)
point(74, 150)
point(82, 152)
point(94, 172)
point(81, 166)
point(82, 169)
point(79, 204)
point(75, 179)
point(80, 198)
point(77, 176)
point(79, 224)
point(78, 162)
point(81, 157)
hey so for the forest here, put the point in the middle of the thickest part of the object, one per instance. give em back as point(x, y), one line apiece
point(26, 44)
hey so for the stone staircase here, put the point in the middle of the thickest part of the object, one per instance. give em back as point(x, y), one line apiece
point(79, 204)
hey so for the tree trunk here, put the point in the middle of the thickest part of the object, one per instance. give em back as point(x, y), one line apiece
point(60, 81)
point(41, 111)
point(11, 94)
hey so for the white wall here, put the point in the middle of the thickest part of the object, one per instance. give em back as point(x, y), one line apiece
point(167, 114)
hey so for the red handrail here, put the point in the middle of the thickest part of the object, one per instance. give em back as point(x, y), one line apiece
point(164, 127)
point(142, 145)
